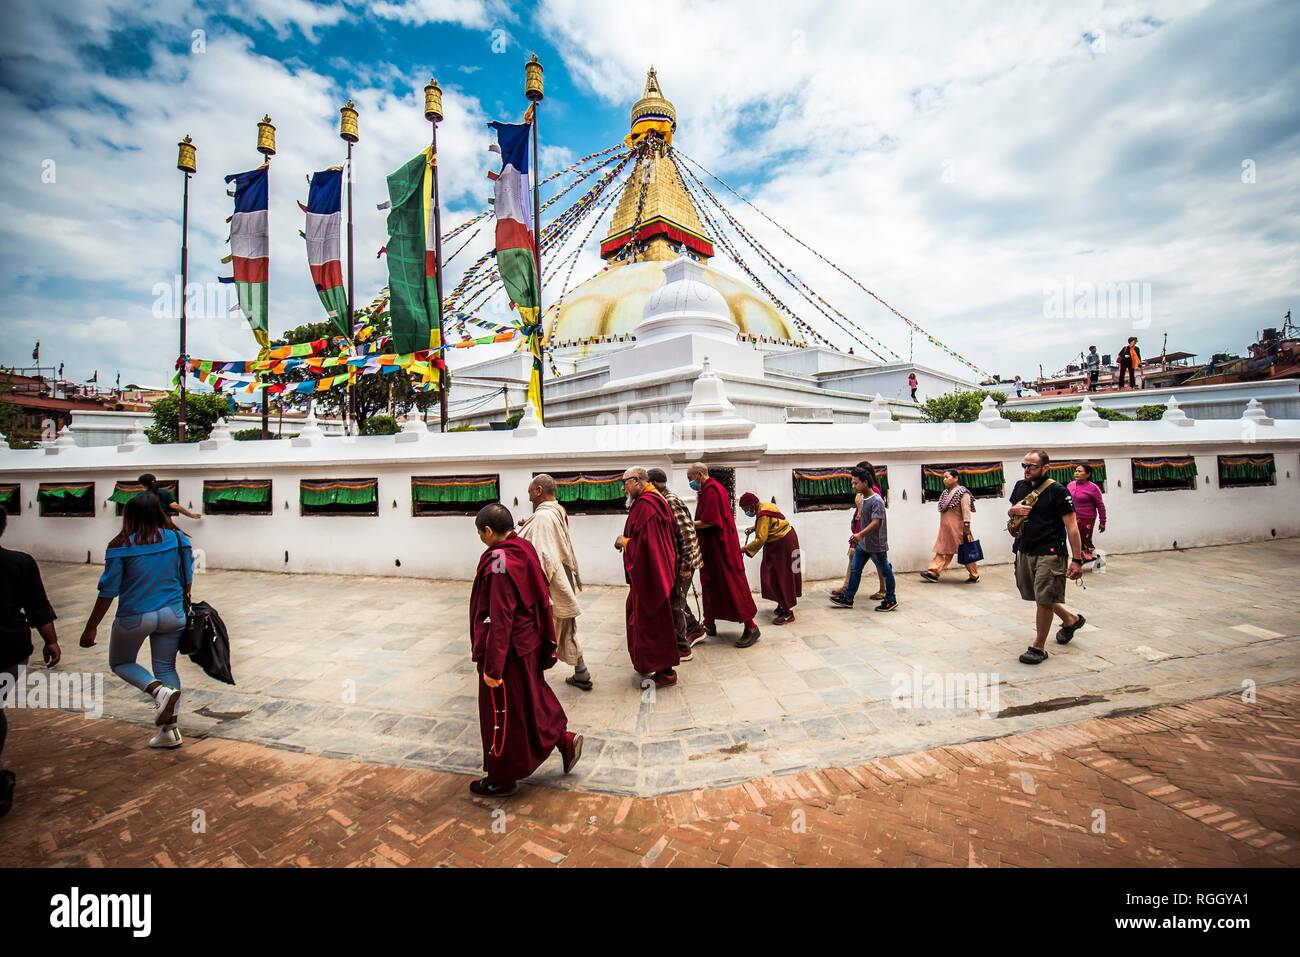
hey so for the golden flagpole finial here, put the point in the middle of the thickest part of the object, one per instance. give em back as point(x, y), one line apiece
point(266, 136)
point(185, 160)
point(433, 101)
point(348, 122)
point(533, 88)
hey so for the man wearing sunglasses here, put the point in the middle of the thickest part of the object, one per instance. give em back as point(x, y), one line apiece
point(1041, 564)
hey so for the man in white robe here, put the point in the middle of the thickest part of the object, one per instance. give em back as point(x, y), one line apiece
point(547, 530)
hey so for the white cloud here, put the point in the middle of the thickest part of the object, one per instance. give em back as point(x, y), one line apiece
point(472, 14)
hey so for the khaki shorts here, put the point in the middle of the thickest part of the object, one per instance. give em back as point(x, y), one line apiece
point(1041, 578)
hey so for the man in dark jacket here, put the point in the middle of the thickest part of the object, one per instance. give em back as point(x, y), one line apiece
point(23, 606)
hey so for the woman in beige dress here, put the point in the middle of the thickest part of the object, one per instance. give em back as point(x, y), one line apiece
point(955, 508)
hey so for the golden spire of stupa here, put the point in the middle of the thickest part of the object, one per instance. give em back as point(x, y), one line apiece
point(668, 225)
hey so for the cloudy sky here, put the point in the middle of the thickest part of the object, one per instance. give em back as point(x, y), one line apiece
point(980, 167)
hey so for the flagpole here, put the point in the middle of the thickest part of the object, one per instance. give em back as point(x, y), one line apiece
point(349, 132)
point(533, 90)
point(266, 146)
point(187, 163)
point(433, 113)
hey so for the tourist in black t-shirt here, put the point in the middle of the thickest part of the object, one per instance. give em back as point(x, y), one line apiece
point(1041, 567)
point(23, 606)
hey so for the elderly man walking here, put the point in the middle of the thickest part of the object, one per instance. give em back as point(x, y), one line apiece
point(1041, 520)
point(547, 530)
point(688, 630)
point(650, 563)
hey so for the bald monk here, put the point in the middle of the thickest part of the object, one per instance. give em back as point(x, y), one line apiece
point(547, 530)
point(780, 575)
point(650, 563)
point(512, 640)
point(722, 576)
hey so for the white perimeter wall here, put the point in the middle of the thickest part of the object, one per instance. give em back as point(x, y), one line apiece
point(446, 547)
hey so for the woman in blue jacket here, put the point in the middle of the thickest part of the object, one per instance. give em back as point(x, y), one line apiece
point(148, 569)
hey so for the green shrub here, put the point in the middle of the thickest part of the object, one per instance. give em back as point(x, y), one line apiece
point(202, 409)
point(1065, 413)
point(1149, 413)
point(247, 435)
point(957, 406)
point(380, 425)
point(463, 428)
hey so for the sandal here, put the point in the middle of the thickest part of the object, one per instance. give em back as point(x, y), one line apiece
point(1033, 656)
point(485, 788)
point(1066, 632)
point(929, 576)
point(580, 683)
point(973, 579)
point(878, 596)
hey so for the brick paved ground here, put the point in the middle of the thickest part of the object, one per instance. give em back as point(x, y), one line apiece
point(394, 685)
point(1209, 782)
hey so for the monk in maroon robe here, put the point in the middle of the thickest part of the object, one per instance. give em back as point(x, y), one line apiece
point(512, 639)
point(722, 576)
point(650, 563)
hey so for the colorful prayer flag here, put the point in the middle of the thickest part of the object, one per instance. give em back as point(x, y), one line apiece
point(412, 266)
point(324, 226)
point(250, 248)
point(515, 251)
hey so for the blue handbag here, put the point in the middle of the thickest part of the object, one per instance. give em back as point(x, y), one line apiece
point(968, 552)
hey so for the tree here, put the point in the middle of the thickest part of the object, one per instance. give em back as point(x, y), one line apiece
point(957, 406)
point(202, 409)
point(373, 391)
point(10, 417)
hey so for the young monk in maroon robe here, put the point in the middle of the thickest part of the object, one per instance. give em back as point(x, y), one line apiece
point(512, 638)
point(650, 562)
point(722, 577)
point(780, 577)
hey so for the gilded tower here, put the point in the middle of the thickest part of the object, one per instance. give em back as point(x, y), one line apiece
point(667, 225)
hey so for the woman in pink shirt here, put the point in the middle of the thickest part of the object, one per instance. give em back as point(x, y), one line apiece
point(1088, 507)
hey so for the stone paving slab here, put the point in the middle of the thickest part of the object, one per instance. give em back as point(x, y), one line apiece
point(1205, 783)
point(377, 669)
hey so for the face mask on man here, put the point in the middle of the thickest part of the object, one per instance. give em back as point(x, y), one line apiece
point(695, 486)
point(749, 513)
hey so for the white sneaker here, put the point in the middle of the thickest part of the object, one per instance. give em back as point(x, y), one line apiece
point(166, 699)
point(168, 736)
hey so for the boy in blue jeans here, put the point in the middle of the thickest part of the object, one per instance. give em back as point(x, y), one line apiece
point(870, 542)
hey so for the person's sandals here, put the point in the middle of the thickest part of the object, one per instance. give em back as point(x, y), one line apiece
point(1033, 656)
point(574, 753)
point(1066, 632)
point(583, 684)
point(929, 576)
point(973, 579)
point(485, 788)
point(878, 596)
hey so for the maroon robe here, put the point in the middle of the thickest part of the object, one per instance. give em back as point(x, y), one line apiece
point(650, 563)
point(722, 576)
point(780, 577)
point(512, 637)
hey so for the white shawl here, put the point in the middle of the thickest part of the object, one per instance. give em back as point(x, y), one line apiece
point(548, 532)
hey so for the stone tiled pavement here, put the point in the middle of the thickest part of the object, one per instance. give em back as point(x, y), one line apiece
point(1209, 782)
point(377, 670)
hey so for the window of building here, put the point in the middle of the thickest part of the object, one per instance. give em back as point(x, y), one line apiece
point(11, 498)
point(238, 497)
point(1164, 474)
point(830, 489)
point(983, 479)
point(453, 494)
point(1237, 471)
point(75, 499)
point(1063, 472)
point(590, 493)
point(339, 496)
point(123, 492)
